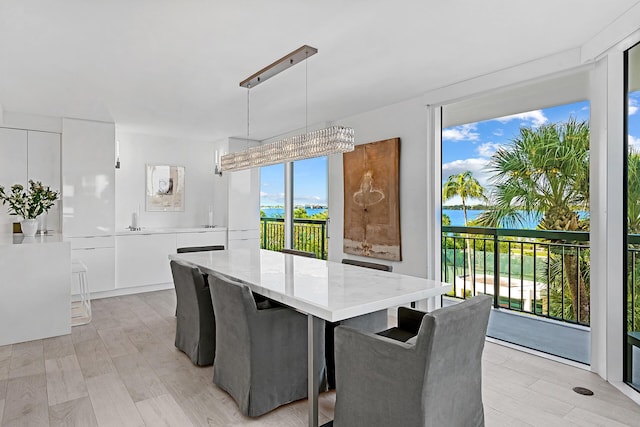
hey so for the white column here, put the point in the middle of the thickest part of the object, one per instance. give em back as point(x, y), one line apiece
point(607, 216)
point(434, 205)
point(288, 205)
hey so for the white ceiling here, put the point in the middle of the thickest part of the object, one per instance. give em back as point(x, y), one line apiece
point(173, 67)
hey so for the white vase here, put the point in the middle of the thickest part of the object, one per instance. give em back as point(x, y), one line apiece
point(29, 227)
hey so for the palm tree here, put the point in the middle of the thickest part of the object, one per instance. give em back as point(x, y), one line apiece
point(545, 171)
point(467, 187)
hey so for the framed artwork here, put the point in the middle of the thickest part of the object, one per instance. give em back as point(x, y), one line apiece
point(372, 201)
point(165, 188)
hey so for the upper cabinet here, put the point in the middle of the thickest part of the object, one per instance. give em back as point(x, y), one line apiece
point(43, 164)
point(13, 168)
point(25, 155)
point(88, 178)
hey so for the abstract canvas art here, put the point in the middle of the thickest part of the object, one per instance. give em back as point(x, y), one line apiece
point(165, 188)
point(372, 200)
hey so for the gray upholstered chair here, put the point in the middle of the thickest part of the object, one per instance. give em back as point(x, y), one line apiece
point(196, 325)
point(432, 382)
point(261, 355)
point(299, 253)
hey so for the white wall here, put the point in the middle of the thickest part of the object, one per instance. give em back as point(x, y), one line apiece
point(408, 121)
point(138, 150)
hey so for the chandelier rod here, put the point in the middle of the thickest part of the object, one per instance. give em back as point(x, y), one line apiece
point(287, 61)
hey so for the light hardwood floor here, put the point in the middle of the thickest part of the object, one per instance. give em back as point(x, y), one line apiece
point(122, 369)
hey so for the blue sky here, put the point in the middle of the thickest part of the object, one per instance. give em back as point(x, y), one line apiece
point(469, 146)
point(309, 178)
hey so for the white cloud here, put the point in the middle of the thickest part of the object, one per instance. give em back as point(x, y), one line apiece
point(310, 200)
point(269, 199)
point(498, 132)
point(536, 118)
point(477, 167)
point(634, 143)
point(488, 149)
point(461, 133)
point(633, 106)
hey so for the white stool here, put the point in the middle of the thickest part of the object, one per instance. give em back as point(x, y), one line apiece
point(80, 310)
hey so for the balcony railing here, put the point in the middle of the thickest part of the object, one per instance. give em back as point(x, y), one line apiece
point(308, 235)
point(535, 271)
point(544, 273)
point(633, 282)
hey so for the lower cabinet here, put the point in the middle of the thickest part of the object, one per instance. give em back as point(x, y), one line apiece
point(202, 238)
point(243, 239)
point(98, 254)
point(143, 259)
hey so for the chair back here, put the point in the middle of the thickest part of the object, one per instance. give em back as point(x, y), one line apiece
point(195, 323)
point(299, 253)
point(365, 264)
point(190, 287)
point(200, 249)
point(233, 305)
point(453, 340)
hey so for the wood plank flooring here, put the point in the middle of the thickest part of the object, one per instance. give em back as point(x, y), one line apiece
point(122, 369)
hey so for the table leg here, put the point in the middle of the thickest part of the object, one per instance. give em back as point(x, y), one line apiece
point(313, 347)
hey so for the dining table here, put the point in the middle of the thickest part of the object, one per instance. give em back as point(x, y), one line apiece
point(322, 290)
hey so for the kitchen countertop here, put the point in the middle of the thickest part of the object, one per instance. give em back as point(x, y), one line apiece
point(169, 230)
point(19, 239)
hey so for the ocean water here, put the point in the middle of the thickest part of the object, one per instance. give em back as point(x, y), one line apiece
point(457, 218)
point(279, 212)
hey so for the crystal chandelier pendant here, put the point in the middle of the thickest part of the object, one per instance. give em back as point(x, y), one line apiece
point(332, 140)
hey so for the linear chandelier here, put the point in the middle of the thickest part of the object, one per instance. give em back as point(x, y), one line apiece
point(334, 139)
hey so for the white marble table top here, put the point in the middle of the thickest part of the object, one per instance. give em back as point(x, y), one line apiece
point(327, 290)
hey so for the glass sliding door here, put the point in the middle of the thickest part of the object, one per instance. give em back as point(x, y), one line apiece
point(272, 207)
point(515, 220)
point(310, 210)
point(632, 160)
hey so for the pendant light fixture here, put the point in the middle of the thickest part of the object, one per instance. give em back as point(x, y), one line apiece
point(334, 139)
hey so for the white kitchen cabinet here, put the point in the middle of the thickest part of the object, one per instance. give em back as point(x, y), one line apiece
point(43, 164)
point(26, 155)
point(99, 255)
point(13, 168)
point(241, 239)
point(244, 209)
point(88, 178)
point(143, 259)
point(34, 288)
point(202, 238)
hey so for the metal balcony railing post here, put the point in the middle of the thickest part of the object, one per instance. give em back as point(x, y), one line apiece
point(322, 238)
point(496, 271)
